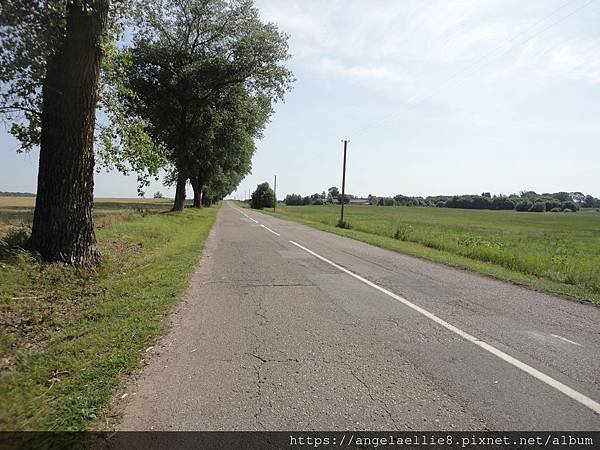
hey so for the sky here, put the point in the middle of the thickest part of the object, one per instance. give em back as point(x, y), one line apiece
point(435, 97)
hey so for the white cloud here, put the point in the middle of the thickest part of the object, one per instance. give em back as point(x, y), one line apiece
point(403, 47)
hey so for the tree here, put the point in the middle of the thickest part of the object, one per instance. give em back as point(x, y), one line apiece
point(563, 196)
point(334, 192)
point(238, 119)
point(51, 57)
point(293, 200)
point(184, 62)
point(220, 185)
point(502, 203)
point(538, 206)
point(523, 205)
point(578, 197)
point(263, 197)
point(590, 202)
point(571, 206)
point(346, 199)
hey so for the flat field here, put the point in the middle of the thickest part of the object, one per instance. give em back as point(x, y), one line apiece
point(18, 211)
point(559, 252)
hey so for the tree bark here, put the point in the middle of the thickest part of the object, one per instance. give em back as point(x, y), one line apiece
point(179, 202)
point(198, 187)
point(63, 228)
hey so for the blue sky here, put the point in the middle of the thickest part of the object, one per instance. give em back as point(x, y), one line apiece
point(436, 97)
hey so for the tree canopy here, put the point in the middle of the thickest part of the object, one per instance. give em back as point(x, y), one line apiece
point(201, 76)
point(188, 89)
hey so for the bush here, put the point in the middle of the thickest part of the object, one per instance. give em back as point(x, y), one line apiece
point(502, 203)
point(570, 205)
point(158, 194)
point(538, 207)
point(551, 203)
point(555, 210)
point(14, 241)
point(343, 224)
point(263, 197)
point(523, 205)
point(567, 210)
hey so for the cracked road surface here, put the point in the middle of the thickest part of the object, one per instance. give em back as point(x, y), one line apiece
point(268, 336)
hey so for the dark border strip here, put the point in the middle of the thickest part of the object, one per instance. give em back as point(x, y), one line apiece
point(300, 439)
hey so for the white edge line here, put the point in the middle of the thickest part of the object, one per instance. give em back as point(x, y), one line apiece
point(269, 230)
point(572, 393)
point(566, 340)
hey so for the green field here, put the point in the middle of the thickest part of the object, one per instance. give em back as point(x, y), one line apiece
point(559, 252)
point(69, 334)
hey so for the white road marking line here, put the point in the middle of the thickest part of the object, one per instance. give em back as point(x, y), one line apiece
point(256, 221)
point(572, 393)
point(268, 229)
point(566, 340)
point(248, 217)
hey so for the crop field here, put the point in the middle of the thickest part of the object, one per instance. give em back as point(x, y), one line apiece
point(559, 252)
point(18, 211)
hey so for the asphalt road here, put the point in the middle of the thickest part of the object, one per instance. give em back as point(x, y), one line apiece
point(288, 327)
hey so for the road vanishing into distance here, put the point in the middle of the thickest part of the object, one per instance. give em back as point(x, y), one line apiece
point(285, 327)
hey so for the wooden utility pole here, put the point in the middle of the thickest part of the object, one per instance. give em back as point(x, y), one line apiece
point(344, 183)
point(275, 192)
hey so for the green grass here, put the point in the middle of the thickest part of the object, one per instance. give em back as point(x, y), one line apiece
point(558, 252)
point(69, 335)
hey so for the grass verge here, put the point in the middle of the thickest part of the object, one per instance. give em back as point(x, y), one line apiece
point(575, 291)
point(69, 335)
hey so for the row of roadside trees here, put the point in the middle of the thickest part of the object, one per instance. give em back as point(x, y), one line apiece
point(185, 87)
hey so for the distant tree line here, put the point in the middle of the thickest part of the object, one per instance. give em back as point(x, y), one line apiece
point(529, 201)
point(16, 194)
point(332, 196)
point(524, 201)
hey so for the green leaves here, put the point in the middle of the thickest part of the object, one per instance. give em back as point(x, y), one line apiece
point(30, 34)
point(200, 78)
point(191, 86)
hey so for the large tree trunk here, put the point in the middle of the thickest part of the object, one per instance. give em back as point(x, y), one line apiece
point(197, 198)
point(63, 229)
point(198, 187)
point(179, 202)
